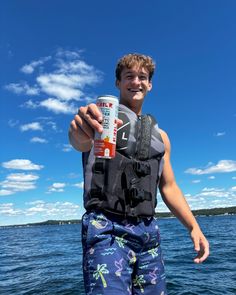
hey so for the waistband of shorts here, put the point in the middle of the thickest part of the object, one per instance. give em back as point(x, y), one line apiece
point(122, 218)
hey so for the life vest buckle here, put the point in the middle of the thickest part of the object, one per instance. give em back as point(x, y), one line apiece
point(141, 168)
point(99, 167)
point(137, 194)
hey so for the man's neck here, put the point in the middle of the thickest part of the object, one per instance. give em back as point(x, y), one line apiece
point(136, 107)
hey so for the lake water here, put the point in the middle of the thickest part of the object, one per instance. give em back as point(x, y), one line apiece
point(47, 260)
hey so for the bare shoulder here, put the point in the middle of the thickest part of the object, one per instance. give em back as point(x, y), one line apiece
point(165, 139)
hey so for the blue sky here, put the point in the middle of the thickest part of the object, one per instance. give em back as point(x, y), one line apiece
point(58, 55)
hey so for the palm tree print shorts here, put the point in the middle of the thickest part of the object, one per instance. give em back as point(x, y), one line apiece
point(121, 257)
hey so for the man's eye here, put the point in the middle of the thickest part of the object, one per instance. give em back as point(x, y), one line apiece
point(143, 77)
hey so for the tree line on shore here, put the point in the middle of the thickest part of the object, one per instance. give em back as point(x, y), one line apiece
point(200, 212)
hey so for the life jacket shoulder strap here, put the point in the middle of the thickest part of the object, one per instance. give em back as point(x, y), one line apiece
point(145, 137)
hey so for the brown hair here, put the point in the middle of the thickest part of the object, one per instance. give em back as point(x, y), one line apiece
point(135, 59)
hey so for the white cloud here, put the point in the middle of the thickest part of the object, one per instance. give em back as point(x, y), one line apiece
point(58, 107)
point(23, 88)
point(4, 192)
point(17, 177)
point(18, 186)
point(223, 166)
point(21, 164)
point(29, 68)
point(79, 185)
point(196, 181)
point(67, 148)
point(60, 86)
point(38, 140)
point(57, 187)
point(53, 125)
point(213, 192)
point(30, 104)
point(31, 126)
point(66, 84)
point(218, 134)
point(18, 182)
point(12, 123)
point(58, 210)
point(208, 197)
point(9, 210)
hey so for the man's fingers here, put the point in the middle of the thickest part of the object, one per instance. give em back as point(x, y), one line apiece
point(202, 247)
point(92, 115)
point(89, 119)
point(119, 123)
point(85, 127)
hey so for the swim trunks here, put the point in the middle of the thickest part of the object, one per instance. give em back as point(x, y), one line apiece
point(122, 256)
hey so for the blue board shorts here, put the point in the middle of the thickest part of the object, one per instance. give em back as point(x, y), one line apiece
point(121, 257)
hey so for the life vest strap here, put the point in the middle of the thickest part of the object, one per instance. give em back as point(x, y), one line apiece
point(138, 194)
point(142, 168)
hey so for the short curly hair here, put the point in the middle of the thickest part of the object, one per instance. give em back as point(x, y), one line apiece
point(135, 59)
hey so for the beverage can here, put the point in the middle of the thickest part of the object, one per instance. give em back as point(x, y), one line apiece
point(105, 142)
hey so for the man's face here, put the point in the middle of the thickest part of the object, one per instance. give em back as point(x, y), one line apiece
point(133, 85)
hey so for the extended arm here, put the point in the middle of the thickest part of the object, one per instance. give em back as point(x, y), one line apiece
point(175, 201)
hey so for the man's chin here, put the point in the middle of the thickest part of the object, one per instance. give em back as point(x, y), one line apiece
point(136, 96)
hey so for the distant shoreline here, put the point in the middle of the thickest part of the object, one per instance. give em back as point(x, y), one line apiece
point(200, 212)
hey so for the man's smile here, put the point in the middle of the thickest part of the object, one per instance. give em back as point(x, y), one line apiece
point(135, 90)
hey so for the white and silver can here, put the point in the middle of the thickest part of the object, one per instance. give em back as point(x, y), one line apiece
point(105, 142)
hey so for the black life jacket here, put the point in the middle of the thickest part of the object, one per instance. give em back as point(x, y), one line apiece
point(127, 184)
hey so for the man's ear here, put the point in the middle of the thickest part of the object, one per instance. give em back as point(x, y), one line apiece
point(117, 83)
point(150, 85)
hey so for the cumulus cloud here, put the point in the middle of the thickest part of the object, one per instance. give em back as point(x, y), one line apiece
point(17, 186)
point(9, 210)
point(47, 210)
point(31, 126)
point(212, 198)
point(58, 209)
point(58, 107)
point(59, 89)
point(43, 123)
point(223, 166)
point(6, 192)
point(21, 164)
point(196, 181)
point(79, 185)
point(18, 177)
point(29, 68)
point(12, 123)
point(18, 182)
point(61, 86)
point(67, 148)
point(218, 134)
point(23, 88)
point(38, 140)
point(57, 187)
point(208, 197)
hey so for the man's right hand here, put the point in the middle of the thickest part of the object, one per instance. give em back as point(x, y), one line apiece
point(84, 125)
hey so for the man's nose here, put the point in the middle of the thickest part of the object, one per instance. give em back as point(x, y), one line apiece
point(136, 79)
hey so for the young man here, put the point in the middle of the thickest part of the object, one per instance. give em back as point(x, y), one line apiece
point(121, 241)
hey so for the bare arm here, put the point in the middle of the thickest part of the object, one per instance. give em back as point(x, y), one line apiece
point(175, 201)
